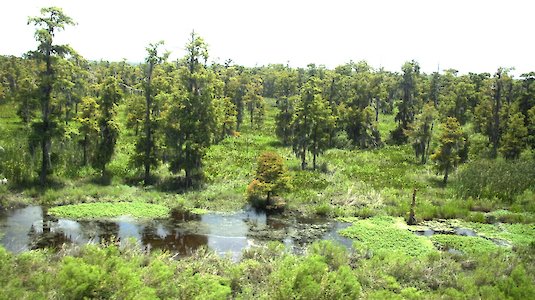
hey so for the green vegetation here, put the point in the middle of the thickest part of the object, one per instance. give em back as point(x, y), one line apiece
point(110, 210)
point(465, 244)
point(327, 271)
point(385, 234)
point(105, 139)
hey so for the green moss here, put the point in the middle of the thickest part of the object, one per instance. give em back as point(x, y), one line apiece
point(385, 234)
point(110, 210)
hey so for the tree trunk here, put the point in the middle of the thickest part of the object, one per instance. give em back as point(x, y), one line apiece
point(148, 132)
point(45, 106)
point(446, 173)
point(496, 116)
point(377, 109)
point(84, 163)
point(412, 218)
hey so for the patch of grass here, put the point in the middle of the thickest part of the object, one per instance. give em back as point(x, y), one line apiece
point(110, 210)
point(384, 234)
point(471, 245)
point(495, 179)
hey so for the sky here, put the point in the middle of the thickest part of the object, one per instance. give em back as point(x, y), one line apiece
point(469, 35)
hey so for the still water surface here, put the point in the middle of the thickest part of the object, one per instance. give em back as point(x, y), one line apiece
point(32, 228)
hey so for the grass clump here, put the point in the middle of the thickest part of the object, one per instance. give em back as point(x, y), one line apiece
point(382, 233)
point(110, 210)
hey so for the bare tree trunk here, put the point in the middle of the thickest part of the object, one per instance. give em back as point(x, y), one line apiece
point(412, 218)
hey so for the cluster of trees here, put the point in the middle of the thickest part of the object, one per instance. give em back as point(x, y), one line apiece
point(178, 109)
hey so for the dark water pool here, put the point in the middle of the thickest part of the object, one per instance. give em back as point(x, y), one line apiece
point(32, 228)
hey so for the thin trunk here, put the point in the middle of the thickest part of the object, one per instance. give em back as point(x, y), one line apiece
point(427, 148)
point(85, 150)
point(446, 173)
point(315, 148)
point(412, 218)
point(496, 117)
point(148, 131)
point(46, 141)
point(377, 109)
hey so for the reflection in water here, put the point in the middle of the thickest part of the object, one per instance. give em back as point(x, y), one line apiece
point(182, 233)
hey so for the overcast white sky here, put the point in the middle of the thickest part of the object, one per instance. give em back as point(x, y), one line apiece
point(470, 35)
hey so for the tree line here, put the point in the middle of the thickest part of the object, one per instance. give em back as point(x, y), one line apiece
point(177, 109)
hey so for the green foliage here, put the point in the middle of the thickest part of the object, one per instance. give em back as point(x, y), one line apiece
point(312, 123)
point(452, 141)
point(421, 131)
point(310, 278)
point(108, 127)
point(255, 102)
point(409, 104)
point(514, 137)
point(271, 178)
point(110, 210)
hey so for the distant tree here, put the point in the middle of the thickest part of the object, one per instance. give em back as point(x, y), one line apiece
point(455, 98)
point(451, 143)
point(312, 122)
point(499, 89)
point(225, 114)
point(434, 89)
point(284, 119)
point(408, 106)
point(360, 126)
point(531, 127)
point(27, 97)
point(420, 131)
point(271, 178)
point(146, 145)
point(255, 102)
point(526, 99)
point(88, 119)
point(135, 114)
point(513, 139)
point(52, 20)
point(191, 120)
point(110, 95)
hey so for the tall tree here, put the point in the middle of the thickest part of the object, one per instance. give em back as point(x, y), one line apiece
point(88, 119)
point(146, 145)
point(254, 101)
point(51, 21)
point(408, 106)
point(312, 122)
point(111, 94)
point(284, 119)
point(190, 122)
point(420, 131)
point(451, 143)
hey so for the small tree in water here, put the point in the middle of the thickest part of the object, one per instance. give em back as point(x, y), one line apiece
point(270, 179)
